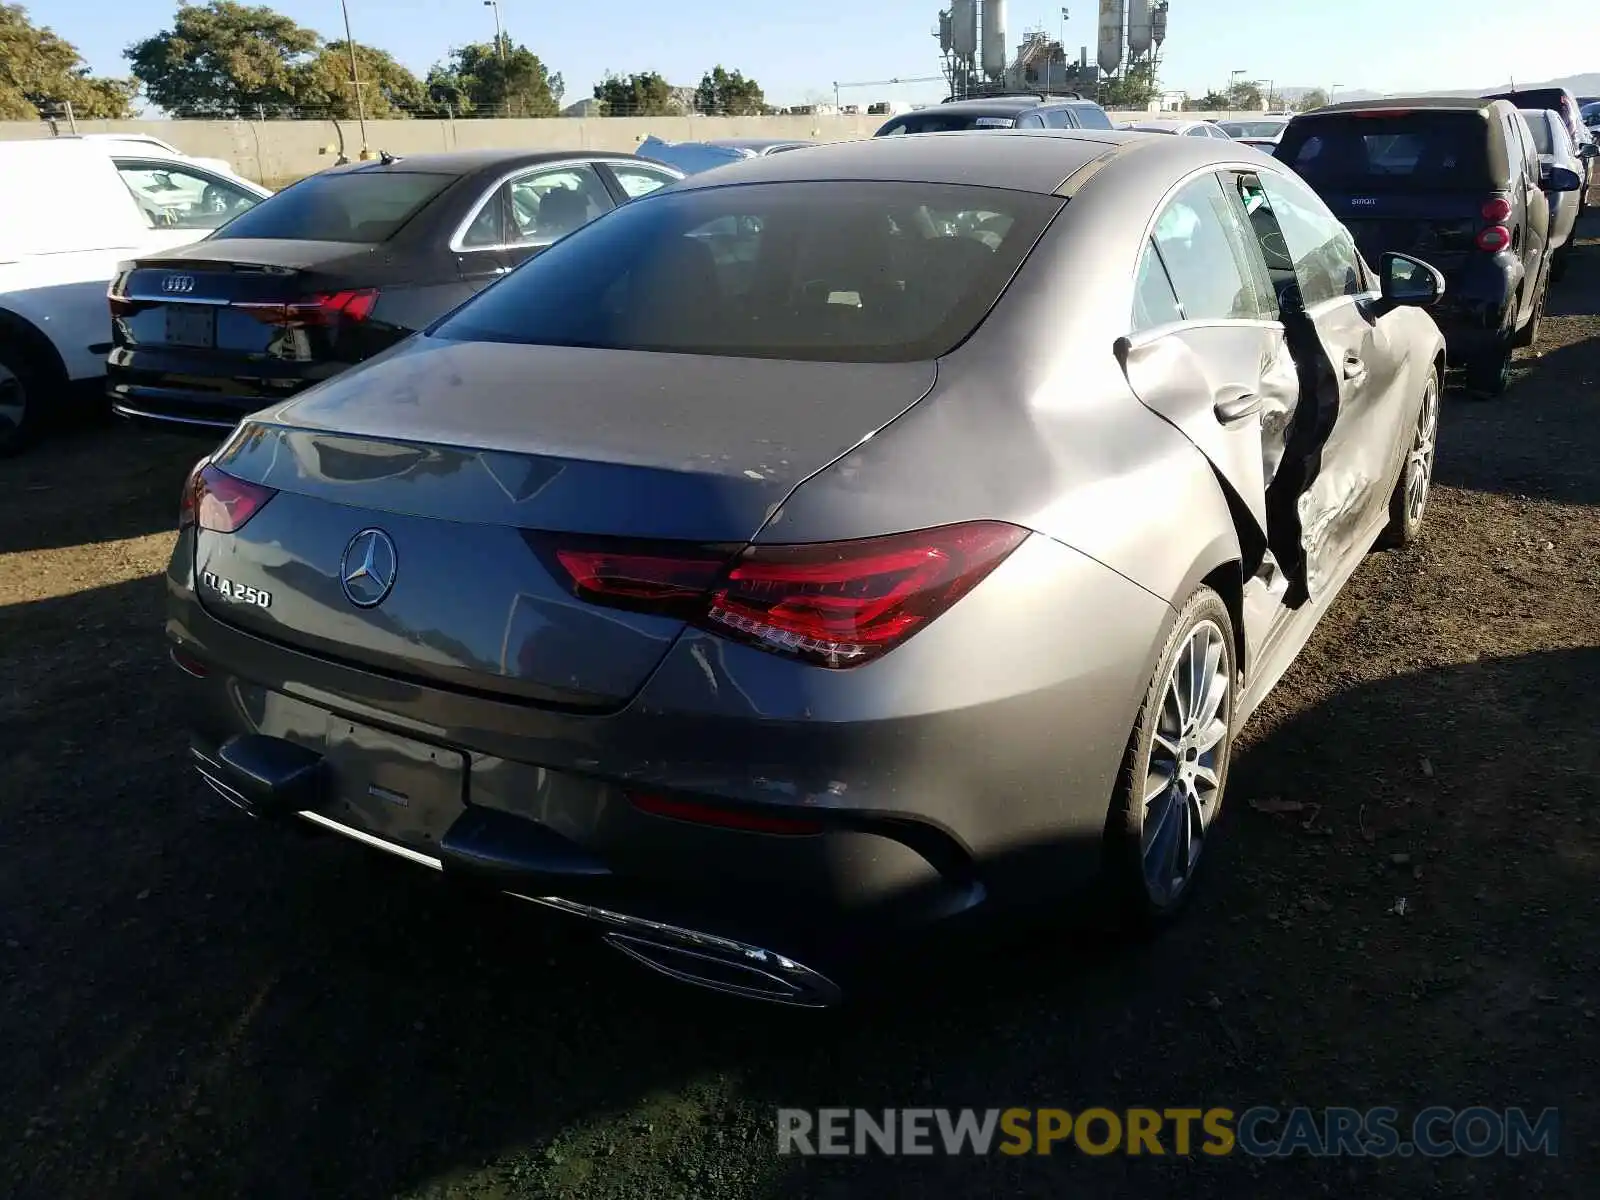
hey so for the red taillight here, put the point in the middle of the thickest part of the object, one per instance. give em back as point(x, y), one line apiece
point(1493, 239)
point(1496, 209)
point(217, 501)
point(833, 604)
point(328, 308)
point(725, 818)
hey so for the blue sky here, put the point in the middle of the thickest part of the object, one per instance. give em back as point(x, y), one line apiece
point(797, 49)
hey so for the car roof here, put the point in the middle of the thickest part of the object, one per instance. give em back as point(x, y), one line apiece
point(996, 105)
point(1388, 103)
point(1025, 160)
point(1158, 123)
point(467, 162)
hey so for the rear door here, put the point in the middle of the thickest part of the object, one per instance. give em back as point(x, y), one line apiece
point(1205, 350)
point(546, 203)
point(1341, 451)
point(181, 204)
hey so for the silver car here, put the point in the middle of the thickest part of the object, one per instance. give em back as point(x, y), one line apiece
point(824, 551)
point(1554, 144)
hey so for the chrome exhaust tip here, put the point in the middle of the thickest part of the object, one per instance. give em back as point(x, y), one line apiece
point(707, 960)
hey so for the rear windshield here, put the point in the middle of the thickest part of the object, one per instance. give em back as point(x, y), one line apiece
point(345, 207)
point(1539, 125)
point(1437, 151)
point(934, 121)
point(841, 272)
point(1253, 129)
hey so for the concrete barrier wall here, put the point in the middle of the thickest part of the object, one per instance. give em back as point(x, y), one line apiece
point(276, 152)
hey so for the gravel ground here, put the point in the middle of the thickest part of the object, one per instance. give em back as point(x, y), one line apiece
point(192, 1005)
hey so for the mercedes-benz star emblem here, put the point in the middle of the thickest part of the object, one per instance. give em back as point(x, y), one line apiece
point(367, 570)
point(178, 284)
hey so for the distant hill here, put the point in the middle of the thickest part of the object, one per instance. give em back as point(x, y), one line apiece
point(1578, 85)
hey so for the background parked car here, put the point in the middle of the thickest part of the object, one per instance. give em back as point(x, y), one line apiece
point(694, 157)
point(1554, 144)
point(1000, 112)
point(869, 580)
point(86, 206)
point(1261, 132)
point(338, 267)
point(1205, 129)
point(1565, 105)
point(1453, 180)
point(142, 143)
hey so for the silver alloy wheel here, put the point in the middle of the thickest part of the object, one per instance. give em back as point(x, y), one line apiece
point(1419, 467)
point(13, 401)
point(1183, 779)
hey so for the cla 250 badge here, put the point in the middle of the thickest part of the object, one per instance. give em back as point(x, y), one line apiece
point(239, 592)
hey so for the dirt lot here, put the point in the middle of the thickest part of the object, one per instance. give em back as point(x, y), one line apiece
point(190, 1005)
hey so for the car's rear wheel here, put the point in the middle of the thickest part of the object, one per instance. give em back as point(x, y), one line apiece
point(1175, 769)
point(1410, 497)
point(22, 382)
point(1529, 333)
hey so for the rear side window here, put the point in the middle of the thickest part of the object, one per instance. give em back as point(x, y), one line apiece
point(1539, 126)
point(1207, 255)
point(344, 207)
point(1439, 151)
point(843, 272)
point(1091, 116)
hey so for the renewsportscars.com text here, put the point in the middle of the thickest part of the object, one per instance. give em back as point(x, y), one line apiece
point(1260, 1132)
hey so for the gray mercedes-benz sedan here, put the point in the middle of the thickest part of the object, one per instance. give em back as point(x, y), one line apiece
point(829, 549)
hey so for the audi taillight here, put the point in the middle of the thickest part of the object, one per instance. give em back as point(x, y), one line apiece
point(215, 500)
point(323, 309)
point(1496, 209)
point(833, 604)
point(1493, 239)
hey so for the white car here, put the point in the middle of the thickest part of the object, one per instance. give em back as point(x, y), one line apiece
point(142, 143)
point(89, 204)
point(1181, 128)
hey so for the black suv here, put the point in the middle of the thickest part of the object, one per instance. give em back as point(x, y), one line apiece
point(1001, 112)
point(1454, 181)
point(1570, 109)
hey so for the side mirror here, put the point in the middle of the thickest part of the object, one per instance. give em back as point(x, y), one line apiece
point(1408, 283)
point(1560, 179)
point(1588, 150)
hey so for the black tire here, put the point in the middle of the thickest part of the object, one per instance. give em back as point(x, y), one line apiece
point(1139, 905)
point(1529, 333)
point(24, 382)
point(1488, 374)
point(1407, 509)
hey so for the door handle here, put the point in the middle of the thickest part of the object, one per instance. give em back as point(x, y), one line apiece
point(1354, 368)
point(1237, 405)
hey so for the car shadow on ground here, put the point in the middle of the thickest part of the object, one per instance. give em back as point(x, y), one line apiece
point(134, 475)
point(197, 1004)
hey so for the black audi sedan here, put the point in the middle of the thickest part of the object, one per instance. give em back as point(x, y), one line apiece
point(337, 267)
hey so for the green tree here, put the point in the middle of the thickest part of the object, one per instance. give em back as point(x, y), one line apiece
point(1210, 102)
point(224, 59)
point(474, 81)
point(387, 88)
point(1245, 95)
point(1135, 87)
point(40, 71)
point(1315, 98)
point(729, 94)
point(639, 95)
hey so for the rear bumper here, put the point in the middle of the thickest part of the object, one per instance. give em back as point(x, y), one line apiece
point(920, 821)
point(205, 393)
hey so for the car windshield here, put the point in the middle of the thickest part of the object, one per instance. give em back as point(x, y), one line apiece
point(944, 122)
point(1253, 129)
point(1539, 125)
point(841, 272)
point(351, 206)
point(1442, 151)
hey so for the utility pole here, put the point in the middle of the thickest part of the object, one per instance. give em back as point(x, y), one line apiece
point(355, 78)
point(72, 121)
point(499, 37)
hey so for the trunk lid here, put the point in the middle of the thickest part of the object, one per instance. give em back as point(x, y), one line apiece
point(248, 298)
point(473, 459)
point(1438, 227)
